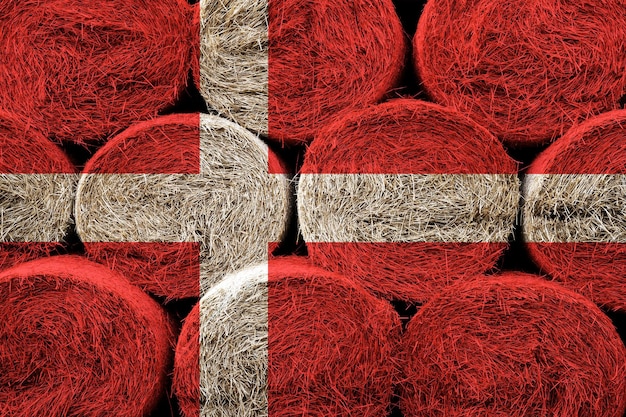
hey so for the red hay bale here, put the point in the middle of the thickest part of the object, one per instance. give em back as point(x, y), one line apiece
point(36, 209)
point(79, 340)
point(419, 195)
point(574, 224)
point(302, 342)
point(177, 202)
point(327, 56)
point(80, 71)
point(527, 71)
point(512, 346)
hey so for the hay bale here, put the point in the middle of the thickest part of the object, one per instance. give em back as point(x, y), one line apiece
point(527, 71)
point(299, 62)
point(405, 197)
point(182, 178)
point(296, 340)
point(81, 71)
point(37, 187)
point(79, 340)
point(574, 222)
point(514, 346)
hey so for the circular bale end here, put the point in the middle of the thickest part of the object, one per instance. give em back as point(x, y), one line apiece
point(285, 340)
point(177, 202)
point(405, 197)
point(527, 71)
point(79, 340)
point(81, 71)
point(513, 345)
point(328, 56)
point(37, 187)
point(574, 225)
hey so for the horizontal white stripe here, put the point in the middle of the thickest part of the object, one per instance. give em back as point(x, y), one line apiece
point(36, 207)
point(407, 207)
point(180, 207)
point(586, 208)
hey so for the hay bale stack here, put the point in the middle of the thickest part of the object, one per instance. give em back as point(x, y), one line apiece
point(81, 71)
point(37, 187)
point(516, 346)
point(405, 197)
point(527, 71)
point(79, 340)
point(574, 222)
point(179, 201)
point(296, 62)
point(285, 340)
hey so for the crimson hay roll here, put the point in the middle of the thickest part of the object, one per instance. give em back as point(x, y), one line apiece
point(406, 197)
point(177, 202)
point(79, 340)
point(323, 57)
point(291, 340)
point(513, 345)
point(527, 71)
point(37, 188)
point(81, 71)
point(574, 223)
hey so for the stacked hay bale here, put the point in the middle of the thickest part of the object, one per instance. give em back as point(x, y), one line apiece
point(37, 186)
point(405, 197)
point(177, 202)
point(513, 345)
point(574, 222)
point(284, 68)
point(79, 340)
point(286, 339)
point(82, 71)
point(527, 71)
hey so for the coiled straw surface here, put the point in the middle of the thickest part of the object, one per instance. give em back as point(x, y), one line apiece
point(527, 71)
point(37, 188)
point(574, 213)
point(78, 340)
point(405, 197)
point(299, 341)
point(141, 187)
point(81, 71)
point(514, 346)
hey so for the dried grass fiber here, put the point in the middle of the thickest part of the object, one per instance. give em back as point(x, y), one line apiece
point(405, 197)
point(37, 187)
point(232, 208)
point(79, 340)
point(514, 346)
point(527, 71)
point(81, 71)
point(326, 56)
point(574, 213)
point(302, 341)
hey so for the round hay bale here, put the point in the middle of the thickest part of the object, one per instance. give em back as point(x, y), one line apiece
point(195, 179)
point(296, 340)
point(574, 222)
point(37, 187)
point(405, 197)
point(515, 346)
point(79, 340)
point(81, 71)
point(296, 62)
point(527, 71)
